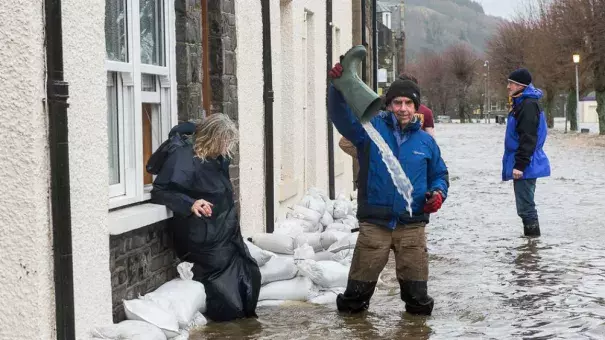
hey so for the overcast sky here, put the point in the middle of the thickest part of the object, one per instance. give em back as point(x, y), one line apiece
point(502, 8)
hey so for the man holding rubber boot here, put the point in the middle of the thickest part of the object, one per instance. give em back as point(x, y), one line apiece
point(385, 224)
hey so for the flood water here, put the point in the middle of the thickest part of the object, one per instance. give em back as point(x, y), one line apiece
point(488, 281)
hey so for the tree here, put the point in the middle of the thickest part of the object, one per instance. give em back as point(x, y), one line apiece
point(544, 40)
point(434, 81)
point(462, 65)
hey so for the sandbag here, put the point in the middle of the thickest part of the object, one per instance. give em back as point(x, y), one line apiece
point(312, 239)
point(316, 192)
point(261, 256)
point(344, 257)
point(340, 227)
point(319, 241)
point(183, 335)
point(129, 330)
point(324, 298)
point(150, 312)
point(351, 221)
point(278, 269)
point(291, 227)
point(327, 297)
point(183, 298)
point(345, 243)
point(314, 203)
point(296, 216)
point(296, 289)
point(309, 215)
point(184, 270)
point(326, 274)
point(323, 256)
point(281, 244)
point(328, 238)
point(342, 208)
point(199, 320)
point(303, 252)
point(326, 219)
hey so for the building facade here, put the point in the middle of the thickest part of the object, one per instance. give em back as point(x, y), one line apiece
point(134, 70)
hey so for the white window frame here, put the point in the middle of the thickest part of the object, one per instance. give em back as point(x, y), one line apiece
point(131, 188)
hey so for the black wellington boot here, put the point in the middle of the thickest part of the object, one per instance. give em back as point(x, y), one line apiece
point(356, 298)
point(532, 229)
point(414, 294)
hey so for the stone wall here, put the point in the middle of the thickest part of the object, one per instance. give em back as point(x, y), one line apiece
point(140, 261)
point(223, 80)
point(189, 72)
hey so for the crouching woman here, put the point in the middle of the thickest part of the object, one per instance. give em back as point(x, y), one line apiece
point(194, 183)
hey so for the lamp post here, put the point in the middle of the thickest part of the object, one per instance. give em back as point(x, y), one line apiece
point(486, 64)
point(565, 109)
point(576, 60)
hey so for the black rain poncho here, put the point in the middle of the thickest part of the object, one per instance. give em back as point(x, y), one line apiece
point(213, 244)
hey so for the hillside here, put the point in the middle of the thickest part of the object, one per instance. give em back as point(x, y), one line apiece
point(433, 25)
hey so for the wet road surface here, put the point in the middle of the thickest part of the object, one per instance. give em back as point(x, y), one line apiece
point(488, 281)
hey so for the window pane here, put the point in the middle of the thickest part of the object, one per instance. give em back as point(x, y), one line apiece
point(112, 128)
point(152, 32)
point(148, 82)
point(150, 132)
point(115, 30)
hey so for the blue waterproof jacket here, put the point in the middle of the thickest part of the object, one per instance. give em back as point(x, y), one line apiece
point(526, 132)
point(417, 152)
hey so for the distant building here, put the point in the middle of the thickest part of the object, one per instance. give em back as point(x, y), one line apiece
point(588, 109)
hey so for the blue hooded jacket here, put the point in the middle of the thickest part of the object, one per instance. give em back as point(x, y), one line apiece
point(417, 152)
point(526, 132)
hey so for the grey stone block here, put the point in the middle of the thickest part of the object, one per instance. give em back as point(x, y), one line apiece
point(183, 73)
point(228, 6)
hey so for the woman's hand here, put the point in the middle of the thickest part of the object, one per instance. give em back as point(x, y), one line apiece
point(202, 207)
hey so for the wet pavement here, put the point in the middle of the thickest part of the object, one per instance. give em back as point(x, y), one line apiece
point(488, 281)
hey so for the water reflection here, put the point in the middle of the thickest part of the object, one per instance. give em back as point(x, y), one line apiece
point(241, 329)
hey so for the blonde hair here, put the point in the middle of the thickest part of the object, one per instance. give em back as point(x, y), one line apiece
point(215, 136)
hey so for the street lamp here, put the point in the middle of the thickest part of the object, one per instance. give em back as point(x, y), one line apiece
point(576, 60)
point(486, 64)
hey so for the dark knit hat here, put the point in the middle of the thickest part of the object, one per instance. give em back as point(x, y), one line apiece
point(403, 88)
point(520, 76)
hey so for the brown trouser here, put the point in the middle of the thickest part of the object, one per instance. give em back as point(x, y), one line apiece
point(371, 254)
point(374, 245)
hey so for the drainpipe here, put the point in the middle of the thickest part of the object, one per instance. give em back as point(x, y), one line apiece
point(268, 99)
point(329, 42)
point(364, 41)
point(374, 47)
point(57, 93)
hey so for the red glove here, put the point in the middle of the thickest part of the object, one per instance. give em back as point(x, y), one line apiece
point(336, 71)
point(433, 202)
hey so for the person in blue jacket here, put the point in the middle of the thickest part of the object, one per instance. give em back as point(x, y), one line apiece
point(385, 223)
point(524, 158)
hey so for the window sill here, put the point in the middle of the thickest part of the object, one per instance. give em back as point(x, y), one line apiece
point(124, 220)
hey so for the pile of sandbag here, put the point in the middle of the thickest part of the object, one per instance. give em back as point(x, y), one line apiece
point(308, 256)
point(169, 312)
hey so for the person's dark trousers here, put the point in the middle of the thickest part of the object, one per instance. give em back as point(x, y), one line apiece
point(371, 254)
point(526, 206)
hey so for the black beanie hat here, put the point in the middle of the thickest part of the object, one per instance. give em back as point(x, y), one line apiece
point(520, 76)
point(403, 88)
